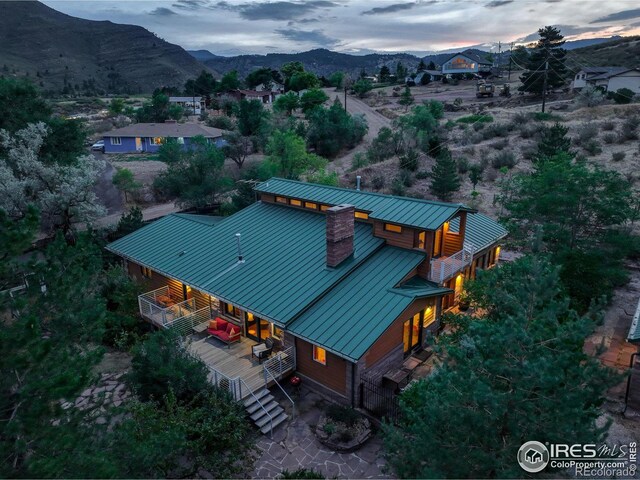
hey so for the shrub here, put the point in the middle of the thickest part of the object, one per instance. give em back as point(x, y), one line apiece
point(608, 125)
point(222, 122)
point(378, 181)
point(301, 473)
point(622, 96)
point(342, 414)
point(520, 118)
point(359, 160)
point(618, 156)
point(406, 177)
point(421, 175)
point(589, 97)
point(496, 130)
point(500, 144)
point(478, 126)
point(463, 165)
point(629, 129)
point(503, 159)
point(529, 152)
point(609, 138)
point(161, 365)
point(475, 118)
point(528, 131)
point(592, 147)
point(397, 187)
point(409, 161)
point(545, 117)
point(585, 134)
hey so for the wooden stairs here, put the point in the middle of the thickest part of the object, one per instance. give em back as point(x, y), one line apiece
point(264, 410)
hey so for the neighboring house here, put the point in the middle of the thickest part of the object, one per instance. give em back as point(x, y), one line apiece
point(347, 284)
point(614, 80)
point(273, 87)
point(466, 62)
point(147, 137)
point(192, 105)
point(264, 96)
point(434, 76)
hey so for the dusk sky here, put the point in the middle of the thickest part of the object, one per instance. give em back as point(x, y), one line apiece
point(354, 26)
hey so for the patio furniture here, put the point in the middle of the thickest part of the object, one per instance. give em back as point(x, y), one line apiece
point(262, 350)
point(200, 327)
point(165, 301)
point(224, 331)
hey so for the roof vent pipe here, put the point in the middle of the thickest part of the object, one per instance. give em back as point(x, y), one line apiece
point(240, 257)
point(358, 178)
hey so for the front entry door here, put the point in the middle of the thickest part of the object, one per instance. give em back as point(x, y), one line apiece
point(257, 329)
point(138, 144)
point(411, 334)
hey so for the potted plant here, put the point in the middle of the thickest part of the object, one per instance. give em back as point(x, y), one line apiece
point(463, 301)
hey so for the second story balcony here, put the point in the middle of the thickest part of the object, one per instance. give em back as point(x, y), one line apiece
point(444, 268)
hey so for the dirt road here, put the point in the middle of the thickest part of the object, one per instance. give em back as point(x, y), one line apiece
point(149, 213)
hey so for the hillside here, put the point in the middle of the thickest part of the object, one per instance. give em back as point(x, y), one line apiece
point(64, 53)
point(624, 52)
point(319, 61)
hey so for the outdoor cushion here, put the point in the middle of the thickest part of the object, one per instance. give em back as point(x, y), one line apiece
point(222, 336)
point(213, 325)
point(221, 324)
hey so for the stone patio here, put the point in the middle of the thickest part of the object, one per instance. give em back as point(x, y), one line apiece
point(294, 446)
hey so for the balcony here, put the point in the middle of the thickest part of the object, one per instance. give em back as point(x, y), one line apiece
point(444, 268)
point(163, 309)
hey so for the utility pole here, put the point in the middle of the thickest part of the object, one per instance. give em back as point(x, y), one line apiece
point(510, 53)
point(498, 62)
point(345, 96)
point(544, 85)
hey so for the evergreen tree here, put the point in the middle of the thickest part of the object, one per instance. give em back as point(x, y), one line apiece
point(421, 66)
point(252, 117)
point(517, 374)
point(401, 72)
point(312, 98)
point(124, 180)
point(385, 73)
point(431, 66)
point(406, 99)
point(362, 87)
point(547, 49)
point(444, 176)
point(553, 140)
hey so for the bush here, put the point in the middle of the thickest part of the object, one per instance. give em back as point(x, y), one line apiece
point(528, 131)
point(520, 118)
point(496, 130)
point(359, 160)
point(301, 473)
point(500, 144)
point(545, 117)
point(592, 147)
point(342, 414)
point(585, 134)
point(589, 97)
point(161, 365)
point(397, 187)
point(618, 156)
point(378, 181)
point(608, 125)
point(609, 138)
point(503, 159)
point(463, 165)
point(409, 161)
point(421, 175)
point(622, 96)
point(629, 129)
point(475, 118)
point(406, 177)
point(222, 122)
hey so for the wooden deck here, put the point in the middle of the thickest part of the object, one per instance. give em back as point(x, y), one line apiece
point(235, 361)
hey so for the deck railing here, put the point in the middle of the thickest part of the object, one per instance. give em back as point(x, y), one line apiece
point(184, 325)
point(444, 268)
point(151, 307)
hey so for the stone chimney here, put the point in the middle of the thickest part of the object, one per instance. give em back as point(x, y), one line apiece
point(340, 232)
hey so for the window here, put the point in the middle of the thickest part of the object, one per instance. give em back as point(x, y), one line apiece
point(156, 140)
point(231, 310)
point(311, 205)
point(296, 203)
point(422, 237)
point(116, 141)
point(146, 272)
point(390, 227)
point(281, 200)
point(361, 215)
point(497, 255)
point(324, 208)
point(429, 315)
point(437, 242)
point(319, 355)
point(180, 140)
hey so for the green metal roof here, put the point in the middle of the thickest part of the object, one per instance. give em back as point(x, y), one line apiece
point(206, 219)
point(634, 331)
point(411, 212)
point(481, 230)
point(357, 311)
point(284, 251)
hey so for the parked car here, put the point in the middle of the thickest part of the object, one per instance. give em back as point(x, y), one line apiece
point(99, 145)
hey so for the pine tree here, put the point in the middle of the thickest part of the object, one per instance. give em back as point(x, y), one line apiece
point(547, 49)
point(553, 140)
point(444, 176)
point(517, 374)
point(431, 66)
point(421, 66)
point(406, 99)
point(384, 74)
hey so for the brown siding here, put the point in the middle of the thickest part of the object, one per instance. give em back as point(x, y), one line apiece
point(267, 197)
point(333, 375)
point(156, 281)
point(392, 337)
point(403, 239)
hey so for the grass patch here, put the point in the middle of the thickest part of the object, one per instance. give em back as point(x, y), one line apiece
point(546, 117)
point(475, 118)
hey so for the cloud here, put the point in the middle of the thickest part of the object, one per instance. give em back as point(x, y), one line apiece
point(565, 30)
point(396, 7)
point(190, 4)
point(498, 3)
point(280, 10)
point(623, 15)
point(315, 37)
point(162, 12)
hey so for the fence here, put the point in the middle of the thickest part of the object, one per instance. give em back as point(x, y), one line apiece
point(378, 400)
point(280, 363)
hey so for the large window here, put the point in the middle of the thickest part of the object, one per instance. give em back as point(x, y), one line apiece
point(116, 141)
point(231, 310)
point(361, 215)
point(156, 140)
point(319, 355)
point(390, 227)
point(422, 240)
point(437, 243)
point(429, 315)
